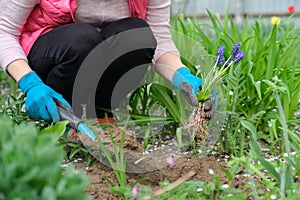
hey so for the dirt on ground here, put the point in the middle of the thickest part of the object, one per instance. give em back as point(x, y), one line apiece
point(152, 166)
point(99, 173)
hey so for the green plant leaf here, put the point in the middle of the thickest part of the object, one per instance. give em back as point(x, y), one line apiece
point(250, 127)
point(31, 165)
point(253, 141)
point(269, 167)
point(58, 129)
point(162, 95)
point(272, 54)
point(256, 85)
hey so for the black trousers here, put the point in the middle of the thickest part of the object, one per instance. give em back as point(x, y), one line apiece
point(57, 56)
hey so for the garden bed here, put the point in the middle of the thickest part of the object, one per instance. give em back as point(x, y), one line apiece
point(100, 188)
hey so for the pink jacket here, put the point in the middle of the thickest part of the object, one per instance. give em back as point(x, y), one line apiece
point(49, 14)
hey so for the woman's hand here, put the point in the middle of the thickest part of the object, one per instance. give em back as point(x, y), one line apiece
point(188, 85)
point(171, 68)
point(40, 98)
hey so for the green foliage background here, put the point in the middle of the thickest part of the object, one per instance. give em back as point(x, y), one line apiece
point(31, 166)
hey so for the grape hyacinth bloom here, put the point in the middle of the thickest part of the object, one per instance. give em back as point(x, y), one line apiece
point(235, 50)
point(218, 72)
point(236, 54)
point(238, 57)
point(220, 59)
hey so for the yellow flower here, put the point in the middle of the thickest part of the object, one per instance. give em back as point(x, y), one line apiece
point(275, 20)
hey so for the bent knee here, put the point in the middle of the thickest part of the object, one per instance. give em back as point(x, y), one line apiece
point(84, 37)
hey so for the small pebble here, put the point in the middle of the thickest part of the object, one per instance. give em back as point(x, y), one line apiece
point(225, 186)
point(64, 165)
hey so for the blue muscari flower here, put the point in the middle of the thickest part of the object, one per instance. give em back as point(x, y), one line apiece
point(238, 56)
point(235, 50)
point(220, 55)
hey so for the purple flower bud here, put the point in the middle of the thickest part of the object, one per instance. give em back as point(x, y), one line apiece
point(235, 50)
point(238, 57)
point(220, 55)
point(221, 50)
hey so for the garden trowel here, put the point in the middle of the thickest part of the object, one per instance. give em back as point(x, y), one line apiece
point(75, 122)
point(85, 134)
point(103, 147)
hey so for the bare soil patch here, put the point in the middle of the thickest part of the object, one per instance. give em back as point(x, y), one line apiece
point(148, 166)
point(99, 187)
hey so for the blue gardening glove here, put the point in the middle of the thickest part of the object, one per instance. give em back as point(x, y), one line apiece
point(39, 98)
point(184, 75)
point(188, 85)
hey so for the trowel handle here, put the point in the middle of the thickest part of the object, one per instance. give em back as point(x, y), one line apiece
point(67, 114)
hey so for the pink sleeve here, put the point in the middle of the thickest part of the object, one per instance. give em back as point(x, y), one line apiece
point(158, 17)
point(13, 16)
